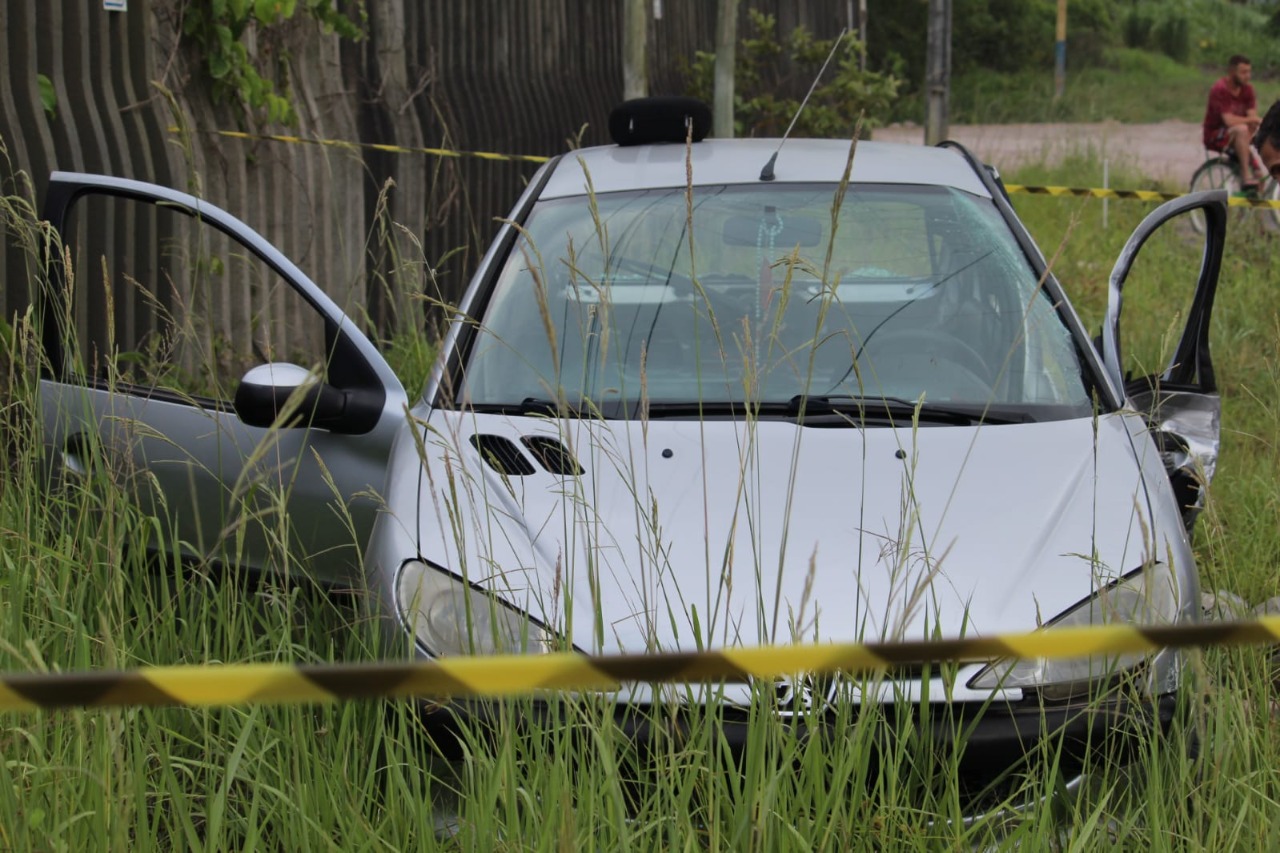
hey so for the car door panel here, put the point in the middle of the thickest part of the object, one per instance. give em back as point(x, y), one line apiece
point(282, 497)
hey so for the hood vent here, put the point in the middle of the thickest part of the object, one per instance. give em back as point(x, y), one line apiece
point(553, 455)
point(502, 455)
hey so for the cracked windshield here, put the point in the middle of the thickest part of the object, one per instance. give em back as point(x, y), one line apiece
point(746, 293)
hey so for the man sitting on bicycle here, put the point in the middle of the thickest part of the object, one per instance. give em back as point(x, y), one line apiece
point(1232, 117)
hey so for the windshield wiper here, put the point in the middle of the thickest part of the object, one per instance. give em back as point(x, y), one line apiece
point(898, 410)
point(537, 406)
point(698, 408)
point(829, 410)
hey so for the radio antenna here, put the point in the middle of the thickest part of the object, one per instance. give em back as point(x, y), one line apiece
point(766, 174)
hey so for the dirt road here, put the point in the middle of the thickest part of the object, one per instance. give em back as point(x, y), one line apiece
point(1168, 151)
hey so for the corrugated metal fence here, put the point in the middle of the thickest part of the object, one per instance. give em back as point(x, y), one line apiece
point(517, 77)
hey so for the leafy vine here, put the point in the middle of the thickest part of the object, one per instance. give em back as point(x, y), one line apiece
point(218, 31)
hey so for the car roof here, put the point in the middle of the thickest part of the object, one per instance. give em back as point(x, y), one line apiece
point(614, 168)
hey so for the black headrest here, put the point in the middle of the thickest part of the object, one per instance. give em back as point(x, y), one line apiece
point(641, 121)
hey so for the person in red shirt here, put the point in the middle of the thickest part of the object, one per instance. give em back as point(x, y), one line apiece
point(1231, 117)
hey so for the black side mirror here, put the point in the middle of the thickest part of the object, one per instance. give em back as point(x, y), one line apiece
point(270, 392)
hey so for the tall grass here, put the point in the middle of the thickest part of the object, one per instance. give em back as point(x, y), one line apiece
point(1129, 85)
point(80, 590)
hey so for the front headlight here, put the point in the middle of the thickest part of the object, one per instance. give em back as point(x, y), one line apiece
point(450, 617)
point(1148, 596)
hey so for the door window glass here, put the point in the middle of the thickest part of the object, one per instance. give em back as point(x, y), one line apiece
point(1158, 295)
point(162, 301)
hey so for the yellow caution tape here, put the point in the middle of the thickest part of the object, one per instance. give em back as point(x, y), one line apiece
point(1088, 192)
point(510, 675)
point(1138, 195)
point(375, 146)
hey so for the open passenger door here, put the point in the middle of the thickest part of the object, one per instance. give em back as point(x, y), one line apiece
point(217, 384)
point(1181, 402)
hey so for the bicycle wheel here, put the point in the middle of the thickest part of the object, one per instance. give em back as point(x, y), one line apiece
point(1214, 174)
point(1270, 215)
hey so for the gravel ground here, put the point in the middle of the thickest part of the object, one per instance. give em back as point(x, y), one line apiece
point(1168, 151)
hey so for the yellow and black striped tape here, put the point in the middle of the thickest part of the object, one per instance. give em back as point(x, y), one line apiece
point(1088, 192)
point(1136, 195)
point(376, 146)
point(510, 675)
point(1012, 189)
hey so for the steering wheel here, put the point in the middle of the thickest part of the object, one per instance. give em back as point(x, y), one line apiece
point(918, 342)
point(941, 353)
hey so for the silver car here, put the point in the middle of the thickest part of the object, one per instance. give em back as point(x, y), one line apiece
point(691, 402)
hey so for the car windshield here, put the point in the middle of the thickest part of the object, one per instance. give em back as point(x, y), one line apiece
point(767, 294)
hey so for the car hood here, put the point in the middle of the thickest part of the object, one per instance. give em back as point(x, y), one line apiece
point(685, 534)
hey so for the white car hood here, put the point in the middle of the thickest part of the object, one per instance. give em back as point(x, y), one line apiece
point(680, 534)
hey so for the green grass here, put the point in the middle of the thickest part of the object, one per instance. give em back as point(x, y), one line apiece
point(1219, 29)
point(77, 593)
point(1121, 89)
point(1128, 74)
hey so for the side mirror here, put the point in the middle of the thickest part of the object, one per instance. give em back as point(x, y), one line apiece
point(286, 394)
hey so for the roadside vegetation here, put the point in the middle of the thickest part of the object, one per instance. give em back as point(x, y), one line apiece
point(1130, 61)
point(1133, 61)
point(78, 592)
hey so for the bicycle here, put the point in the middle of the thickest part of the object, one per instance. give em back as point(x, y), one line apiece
point(1221, 170)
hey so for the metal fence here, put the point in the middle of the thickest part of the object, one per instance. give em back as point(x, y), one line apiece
point(527, 77)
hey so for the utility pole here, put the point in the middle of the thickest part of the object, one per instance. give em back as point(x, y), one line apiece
point(1060, 53)
point(862, 33)
point(635, 37)
point(726, 43)
point(859, 25)
point(938, 73)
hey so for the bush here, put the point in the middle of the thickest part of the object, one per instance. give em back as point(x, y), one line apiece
point(1137, 27)
point(999, 35)
point(1158, 27)
point(1172, 35)
point(772, 75)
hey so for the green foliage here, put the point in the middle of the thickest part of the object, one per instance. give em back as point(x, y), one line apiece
point(1173, 37)
point(1138, 22)
point(48, 97)
point(217, 30)
point(1158, 26)
point(1221, 28)
point(998, 35)
point(1092, 31)
point(772, 75)
point(1120, 88)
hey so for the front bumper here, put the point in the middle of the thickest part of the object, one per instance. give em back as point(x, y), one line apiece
point(989, 749)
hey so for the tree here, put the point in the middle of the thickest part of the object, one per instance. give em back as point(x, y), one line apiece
point(773, 74)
